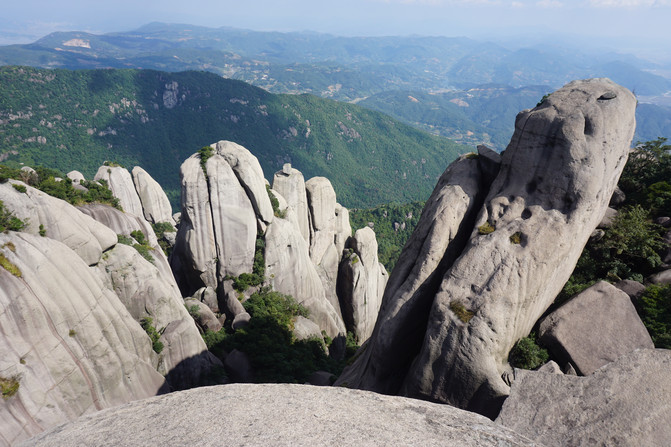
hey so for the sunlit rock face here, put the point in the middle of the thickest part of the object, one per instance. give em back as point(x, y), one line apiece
point(486, 260)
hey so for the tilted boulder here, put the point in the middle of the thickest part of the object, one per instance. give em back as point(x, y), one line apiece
point(299, 415)
point(556, 179)
point(121, 184)
point(59, 220)
point(361, 283)
point(625, 403)
point(594, 328)
point(66, 338)
point(155, 204)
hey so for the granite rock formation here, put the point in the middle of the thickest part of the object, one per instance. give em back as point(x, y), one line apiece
point(454, 307)
point(300, 415)
point(624, 403)
point(227, 210)
point(594, 328)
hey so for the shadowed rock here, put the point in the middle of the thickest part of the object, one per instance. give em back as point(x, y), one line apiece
point(451, 313)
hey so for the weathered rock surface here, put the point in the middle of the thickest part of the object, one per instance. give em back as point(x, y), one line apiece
point(204, 317)
point(68, 339)
point(233, 219)
point(155, 204)
point(633, 289)
point(300, 415)
point(361, 283)
point(60, 221)
point(248, 170)
point(594, 328)
point(663, 277)
point(194, 259)
point(125, 224)
point(121, 184)
point(625, 403)
point(145, 293)
point(75, 176)
point(556, 179)
point(290, 184)
point(291, 272)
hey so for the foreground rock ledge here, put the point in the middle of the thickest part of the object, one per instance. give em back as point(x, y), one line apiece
point(280, 415)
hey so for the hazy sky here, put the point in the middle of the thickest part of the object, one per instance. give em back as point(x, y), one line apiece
point(617, 23)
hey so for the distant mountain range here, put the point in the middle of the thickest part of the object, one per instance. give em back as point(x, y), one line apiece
point(442, 73)
point(78, 119)
point(344, 68)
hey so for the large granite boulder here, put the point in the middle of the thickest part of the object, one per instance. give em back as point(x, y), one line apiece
point(59, 220)
point(503, 269)
point(290, 271)
point(594, 328)
point(300, 415)
point(250, 175)
point(121, 184)
point(290, 184)
point(194, 258)
point(155, 204)
point(361, 283)
point(66, 338)
point(625, 403)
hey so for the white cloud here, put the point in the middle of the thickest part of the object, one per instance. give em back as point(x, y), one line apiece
point(549, 4)
point(517, 4)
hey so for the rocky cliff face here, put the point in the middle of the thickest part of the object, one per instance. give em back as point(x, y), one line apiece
point(227, 210)
point(464, 292)
point(72, 300)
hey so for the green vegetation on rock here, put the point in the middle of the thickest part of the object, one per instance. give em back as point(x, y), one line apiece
point(276, 356)
point(147, 324)
point(630, 248)
point(526, 354)
point(8, 221)
point(9, 386)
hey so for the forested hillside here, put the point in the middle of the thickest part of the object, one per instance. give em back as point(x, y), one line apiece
point(78, 119)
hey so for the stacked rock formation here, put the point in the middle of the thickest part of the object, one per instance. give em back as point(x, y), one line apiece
point(494, 247)
point(72, 300)
point(227, 208)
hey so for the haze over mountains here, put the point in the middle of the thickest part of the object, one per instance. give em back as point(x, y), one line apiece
point(392, 74)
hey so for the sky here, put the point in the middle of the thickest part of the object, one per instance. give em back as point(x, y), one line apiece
point(629, 25)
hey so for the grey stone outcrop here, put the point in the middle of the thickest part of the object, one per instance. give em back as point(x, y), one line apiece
point(59, 220)
point(361, 283)
point(594, 328)
point(155, 204)
point(300, 415)
point(625, 403)
point(121, 184)
point(448, 321)
point(202, 315)
point(67, 338)
point(290, 184)
point(248, 170)
point(290, 271)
